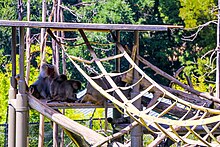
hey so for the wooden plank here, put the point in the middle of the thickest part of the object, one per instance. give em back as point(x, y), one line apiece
point(86, 26)
point(65, 105)
point(84, 135)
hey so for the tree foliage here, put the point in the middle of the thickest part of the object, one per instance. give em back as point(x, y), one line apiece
point(200, 68)
point(196, 12)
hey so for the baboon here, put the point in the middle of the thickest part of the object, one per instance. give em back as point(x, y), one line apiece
point(67, 91)
point(95, 97)
point(54, 86)
point(144, 84)
point(40, 88)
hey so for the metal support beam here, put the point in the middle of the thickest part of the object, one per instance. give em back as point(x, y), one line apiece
point(136, 133)
point(21, 100)
point(12, 93)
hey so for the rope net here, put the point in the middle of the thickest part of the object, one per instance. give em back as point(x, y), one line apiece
point(193, 119)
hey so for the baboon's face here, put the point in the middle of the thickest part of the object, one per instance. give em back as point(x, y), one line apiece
point(44, 70)
point(76, 85)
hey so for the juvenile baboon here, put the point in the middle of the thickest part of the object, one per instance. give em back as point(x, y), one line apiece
point(40, 88)
point(144, 84)
point(54, 86)
point(67, 90)
point(94, 96)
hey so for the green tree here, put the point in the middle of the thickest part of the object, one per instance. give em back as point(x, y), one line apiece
point(198, 68)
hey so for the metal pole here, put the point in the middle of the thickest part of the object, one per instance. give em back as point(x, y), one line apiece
point(218, 55)
point(12, 93)
point(136, 133)
point(21, 100)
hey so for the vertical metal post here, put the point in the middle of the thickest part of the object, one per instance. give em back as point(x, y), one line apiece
point(136, 133)
point(21, 99)
point(12, 93)
point(218, 55)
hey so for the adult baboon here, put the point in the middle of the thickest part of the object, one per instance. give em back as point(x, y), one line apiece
point(40, 88)
point(66, 91)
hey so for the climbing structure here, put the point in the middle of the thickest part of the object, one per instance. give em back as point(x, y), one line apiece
point(192, 120)
point(195, 119)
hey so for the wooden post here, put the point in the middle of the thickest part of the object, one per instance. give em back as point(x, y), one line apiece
point(56, 19)
point(20, 9)
point(64, 72)
point(116, 113)
point(42, 56)
point(136, 133)
point(28, 44)
point(12, 94)
point(218, 55)
point(118, 61)
point(21, 99)
point(41, 131)
point(43, 42)
point(56, 62)
point(53, 41)
point(62, 132)
point(55, 135)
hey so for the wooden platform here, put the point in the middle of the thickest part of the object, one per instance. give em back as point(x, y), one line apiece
point(65, 105)
point(86, 26)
